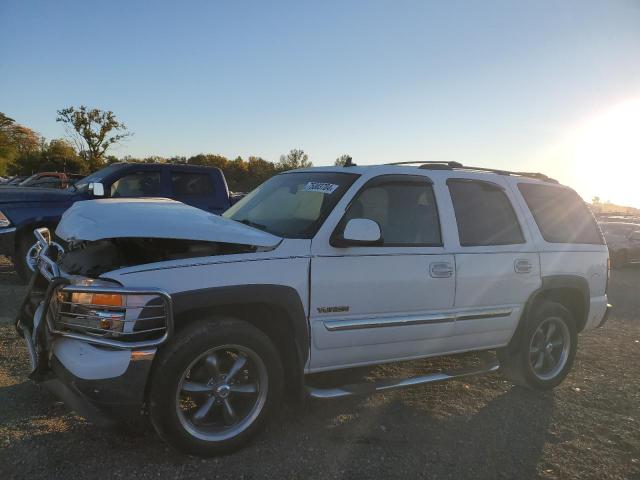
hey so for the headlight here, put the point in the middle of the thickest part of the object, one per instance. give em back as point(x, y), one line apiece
point(115, 317)
point(4, 221)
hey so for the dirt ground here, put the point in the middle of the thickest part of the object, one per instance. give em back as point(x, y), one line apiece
point(481, 427)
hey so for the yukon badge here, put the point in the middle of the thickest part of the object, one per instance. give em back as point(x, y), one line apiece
point(342, 308)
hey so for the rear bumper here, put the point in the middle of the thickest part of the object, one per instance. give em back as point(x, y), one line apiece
point(7, 241)
point(598, 311)
point(605, 317)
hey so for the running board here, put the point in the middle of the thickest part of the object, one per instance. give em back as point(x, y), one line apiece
point(398, 383)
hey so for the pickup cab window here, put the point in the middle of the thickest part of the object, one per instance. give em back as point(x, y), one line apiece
point(137, 184)
point(186, 184)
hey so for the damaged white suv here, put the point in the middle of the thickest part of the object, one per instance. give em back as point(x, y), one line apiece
point(203, 322)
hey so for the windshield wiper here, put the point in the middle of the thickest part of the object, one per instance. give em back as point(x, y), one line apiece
point(246, 221)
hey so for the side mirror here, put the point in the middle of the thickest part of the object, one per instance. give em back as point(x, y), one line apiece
point(358, 232)
point(97, 189)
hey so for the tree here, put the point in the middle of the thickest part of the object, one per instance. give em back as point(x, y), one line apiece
point(209, 159)
point(56, 156)
point(60, 156)
point(93, 131)
point(342, 160)
point(16, 141)
point(296, 158)
point(259, 170)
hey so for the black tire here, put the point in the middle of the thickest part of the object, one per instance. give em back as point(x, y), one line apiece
point(520, 361)
point(620, 259)
point(19, 258)
point(176, 424)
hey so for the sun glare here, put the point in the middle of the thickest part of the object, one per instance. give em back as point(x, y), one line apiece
point(605, 154)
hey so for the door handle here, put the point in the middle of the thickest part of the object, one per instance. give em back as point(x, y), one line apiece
point(522, 265)
point(440, 270)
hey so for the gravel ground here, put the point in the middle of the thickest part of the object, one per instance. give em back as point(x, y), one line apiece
point(481, 427)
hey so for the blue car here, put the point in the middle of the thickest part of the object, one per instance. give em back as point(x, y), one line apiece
point(23, 209)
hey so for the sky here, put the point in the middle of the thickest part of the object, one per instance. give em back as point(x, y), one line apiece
point(533, 86)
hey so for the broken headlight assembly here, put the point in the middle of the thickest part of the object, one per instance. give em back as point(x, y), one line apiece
point(111, 316)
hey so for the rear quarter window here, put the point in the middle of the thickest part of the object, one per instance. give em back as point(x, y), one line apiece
point(561, 215)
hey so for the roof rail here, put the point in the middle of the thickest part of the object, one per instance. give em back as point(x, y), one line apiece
point(440, 165)
point(432, 162)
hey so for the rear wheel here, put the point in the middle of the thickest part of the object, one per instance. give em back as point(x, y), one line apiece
point(545, 350)
point(215, 387)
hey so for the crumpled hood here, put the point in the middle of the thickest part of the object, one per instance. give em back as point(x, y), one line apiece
point(93, 220)
point(33, 194)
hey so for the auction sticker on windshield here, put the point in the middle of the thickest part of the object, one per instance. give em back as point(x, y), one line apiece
point(320, 187)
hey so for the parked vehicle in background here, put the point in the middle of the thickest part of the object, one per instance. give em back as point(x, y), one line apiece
point(623, 240)
point(14, 180)
point(205, 321)
point(23, 209)
point(50, 180)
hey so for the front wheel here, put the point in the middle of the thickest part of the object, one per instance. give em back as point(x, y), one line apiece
point(215, 386)
point(544, 352)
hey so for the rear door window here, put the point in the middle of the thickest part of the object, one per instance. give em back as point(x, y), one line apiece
point(561, 215)
point(484, 214)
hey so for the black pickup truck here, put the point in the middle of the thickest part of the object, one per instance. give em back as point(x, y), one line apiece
point(23, 209)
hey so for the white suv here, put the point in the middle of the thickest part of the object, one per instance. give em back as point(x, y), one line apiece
point(203, 321)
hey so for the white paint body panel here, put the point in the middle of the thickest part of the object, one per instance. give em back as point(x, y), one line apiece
point(373, 286)
point(287, 265)
point(92, 220)
point(88, 362)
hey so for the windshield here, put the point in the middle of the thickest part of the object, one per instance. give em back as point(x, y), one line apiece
point(292, 205)
point(98, 176)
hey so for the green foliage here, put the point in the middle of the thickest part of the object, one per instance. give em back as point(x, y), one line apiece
point(296, 158)
point(242, 175)
point(93, 131)
point(342, 160)
point(56, 156)
point(15, 141)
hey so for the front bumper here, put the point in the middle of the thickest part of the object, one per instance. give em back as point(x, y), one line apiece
point(102, 379)
point(104, 385)
point(7, 241)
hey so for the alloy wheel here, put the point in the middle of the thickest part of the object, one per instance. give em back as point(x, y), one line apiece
point(549, 348)
point(222, 392)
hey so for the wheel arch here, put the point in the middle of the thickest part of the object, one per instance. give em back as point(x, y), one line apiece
point(571, 291)
point(277, 310)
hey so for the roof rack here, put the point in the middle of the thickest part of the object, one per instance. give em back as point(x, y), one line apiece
point(440, 165)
